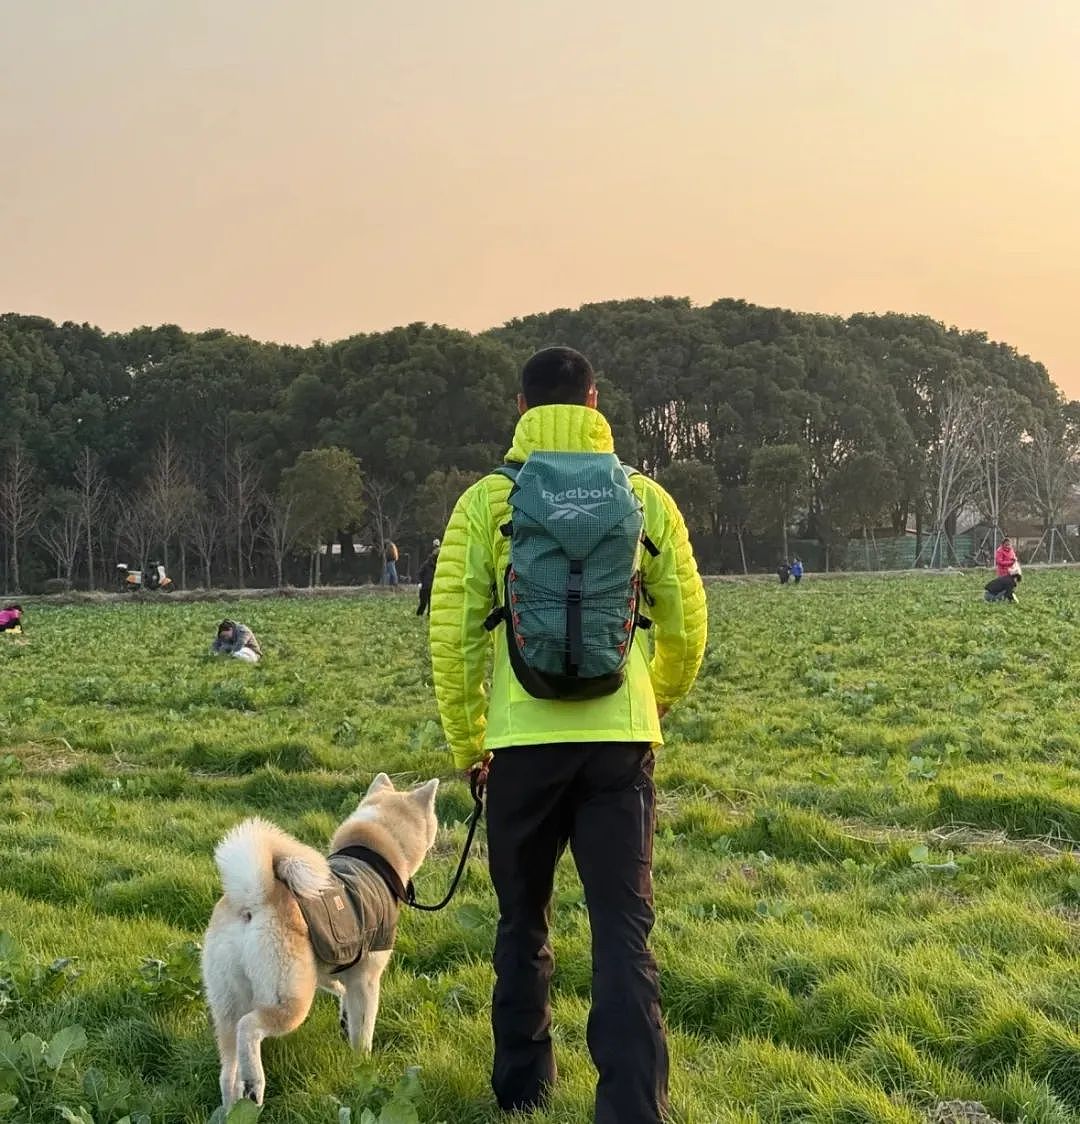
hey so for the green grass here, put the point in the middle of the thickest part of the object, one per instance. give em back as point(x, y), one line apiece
point(867, 897)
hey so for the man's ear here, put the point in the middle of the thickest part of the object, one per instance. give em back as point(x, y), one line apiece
point(592, 397)
point(522, 404)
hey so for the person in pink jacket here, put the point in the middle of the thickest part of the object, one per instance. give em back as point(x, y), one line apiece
point(11, 618)
point(1005, 559)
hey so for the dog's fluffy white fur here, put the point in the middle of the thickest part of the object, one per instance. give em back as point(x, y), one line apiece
point(259, 969)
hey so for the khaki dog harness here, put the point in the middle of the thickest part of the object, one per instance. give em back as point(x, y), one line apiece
point(358, 913)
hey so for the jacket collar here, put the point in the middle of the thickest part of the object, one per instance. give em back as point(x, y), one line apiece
point(562, 429)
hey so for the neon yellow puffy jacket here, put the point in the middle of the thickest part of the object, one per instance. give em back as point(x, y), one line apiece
point(663, 662)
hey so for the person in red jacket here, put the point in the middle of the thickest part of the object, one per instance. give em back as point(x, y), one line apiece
point(1005, 559)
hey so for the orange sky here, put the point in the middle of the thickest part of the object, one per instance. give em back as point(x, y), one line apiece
point(295, 170)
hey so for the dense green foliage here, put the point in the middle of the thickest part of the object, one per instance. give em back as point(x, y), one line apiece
point(193, 432)
point(868, 900)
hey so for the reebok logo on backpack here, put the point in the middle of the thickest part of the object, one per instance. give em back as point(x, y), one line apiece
point(579, 494)
point(573, 586)
point(564, 507)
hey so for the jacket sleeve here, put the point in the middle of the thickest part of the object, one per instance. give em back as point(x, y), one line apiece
point(678, 610)
point(461, 599)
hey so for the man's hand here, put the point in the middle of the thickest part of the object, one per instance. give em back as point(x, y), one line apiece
point(479, 770)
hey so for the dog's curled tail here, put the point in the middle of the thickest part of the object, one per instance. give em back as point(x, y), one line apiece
point(256, 853)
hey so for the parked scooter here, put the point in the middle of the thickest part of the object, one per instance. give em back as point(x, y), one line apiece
point(152, 578)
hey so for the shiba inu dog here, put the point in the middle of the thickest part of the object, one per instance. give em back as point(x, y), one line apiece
point(292, 921)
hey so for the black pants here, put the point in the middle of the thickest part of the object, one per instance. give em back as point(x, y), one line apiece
point(600, 799)
point(425, 600)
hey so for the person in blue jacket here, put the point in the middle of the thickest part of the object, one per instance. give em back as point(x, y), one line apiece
point(797, 570)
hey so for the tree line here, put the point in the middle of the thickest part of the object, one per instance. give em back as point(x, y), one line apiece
point(237, 462)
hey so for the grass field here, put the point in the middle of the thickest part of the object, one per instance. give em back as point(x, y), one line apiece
point(868, 901)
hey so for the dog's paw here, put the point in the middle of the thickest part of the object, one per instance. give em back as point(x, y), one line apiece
point(343, 1023)
point(251, 1092)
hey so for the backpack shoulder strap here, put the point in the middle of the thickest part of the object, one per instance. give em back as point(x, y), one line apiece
point(510, 470)
point(652, 549)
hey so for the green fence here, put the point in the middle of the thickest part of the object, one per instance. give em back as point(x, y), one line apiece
point(894, 553)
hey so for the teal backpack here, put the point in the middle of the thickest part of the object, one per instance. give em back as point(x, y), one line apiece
point(572, 589)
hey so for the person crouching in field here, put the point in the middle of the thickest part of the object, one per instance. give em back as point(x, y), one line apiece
point(11, 619)
point(1002, 588)
point(238, 641)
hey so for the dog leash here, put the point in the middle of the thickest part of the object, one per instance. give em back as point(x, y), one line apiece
point(477, 784)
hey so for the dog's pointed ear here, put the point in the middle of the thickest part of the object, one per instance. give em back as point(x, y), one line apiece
point(379, 783)
point(425, 794)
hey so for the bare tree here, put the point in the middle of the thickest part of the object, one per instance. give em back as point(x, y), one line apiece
point(207, 529)
point(240, 500)
point(281, 529)
point(734, 516)
point(171, 496)
point(20, 504)
point(137, 527)
point(954, 469)
point(385, 509)
point(995, 432)
point(1048, 468)
point(60, 530)
point(93, 491)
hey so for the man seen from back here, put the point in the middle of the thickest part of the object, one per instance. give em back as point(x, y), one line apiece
point(578, 770)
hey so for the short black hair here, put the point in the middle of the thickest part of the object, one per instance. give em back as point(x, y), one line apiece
point(226, 626)
point(13, 608)
point(557, 376)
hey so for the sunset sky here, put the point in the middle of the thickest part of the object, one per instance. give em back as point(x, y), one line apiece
point(298, 170)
